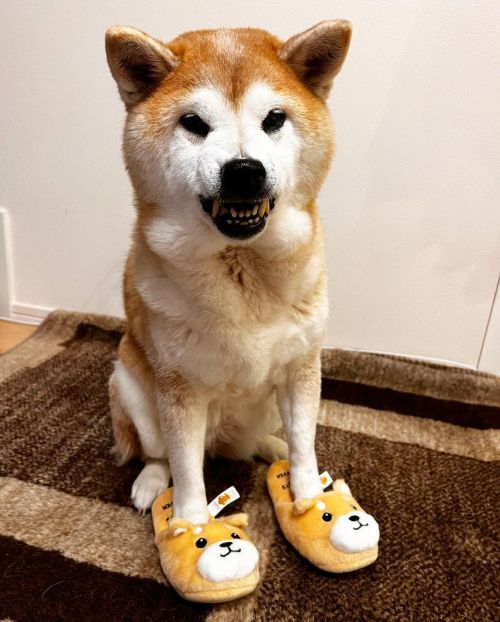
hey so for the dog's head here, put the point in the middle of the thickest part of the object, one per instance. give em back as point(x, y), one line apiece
point(338, 519)
point(228, 130)
point(219, 550)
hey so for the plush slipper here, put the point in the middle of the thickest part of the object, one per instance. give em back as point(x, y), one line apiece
point(330, 530)
point(210, 563)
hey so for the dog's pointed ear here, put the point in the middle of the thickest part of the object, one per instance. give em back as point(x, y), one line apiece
point(317, 54)
point(176, 526)
point(236, 520)
point(339, 485)
point(302, 505)
point(137, 62)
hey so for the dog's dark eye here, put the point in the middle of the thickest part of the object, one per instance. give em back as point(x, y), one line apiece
point(274, 121)
point(194, 124)
point(327, 517)
point(235, 535)
point(201, 542)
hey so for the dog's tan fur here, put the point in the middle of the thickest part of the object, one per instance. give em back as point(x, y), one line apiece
point(253, 314)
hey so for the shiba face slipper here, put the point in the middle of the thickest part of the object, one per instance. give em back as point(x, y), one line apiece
point(330, 530)
point(210, 563)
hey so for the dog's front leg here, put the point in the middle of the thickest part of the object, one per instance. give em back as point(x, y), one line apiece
point(299, 399)
point(183, 420)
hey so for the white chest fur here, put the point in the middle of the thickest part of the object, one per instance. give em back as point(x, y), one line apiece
point(232, 323)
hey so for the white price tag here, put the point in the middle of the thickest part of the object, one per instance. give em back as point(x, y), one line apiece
point(326, 480)
point(222, 500)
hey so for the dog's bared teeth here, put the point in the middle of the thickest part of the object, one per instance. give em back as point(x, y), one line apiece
point(254, 211)
point(229, 221)
point(215, 208)
point(241, 213)
point(247, 213)
point(262, 209)
point(265, 203)
point(234, 213)
point(223, 210)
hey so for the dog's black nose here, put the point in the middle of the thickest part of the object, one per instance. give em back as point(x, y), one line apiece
point(243, 178)
point(226, 544)
point(354, 517)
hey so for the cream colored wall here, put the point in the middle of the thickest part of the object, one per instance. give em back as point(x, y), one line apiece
point(410, 209)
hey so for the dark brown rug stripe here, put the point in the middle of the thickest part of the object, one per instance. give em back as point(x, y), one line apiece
point(408, 375)
point(90, 331)
point(54, 421)
point(439, 551)
point(43, 586)
point(478, 416)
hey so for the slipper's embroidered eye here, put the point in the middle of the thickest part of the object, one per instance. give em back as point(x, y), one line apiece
point(327, 517)
point(201, 542)
point(194, 124)
point(274, 121)
point(354, 507)
point(235, 535)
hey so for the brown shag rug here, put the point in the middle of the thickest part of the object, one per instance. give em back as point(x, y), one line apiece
point(415, 441)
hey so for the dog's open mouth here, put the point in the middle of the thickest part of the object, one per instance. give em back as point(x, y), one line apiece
point(239, 219)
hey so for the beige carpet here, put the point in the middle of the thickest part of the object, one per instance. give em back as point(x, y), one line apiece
point(416, 442)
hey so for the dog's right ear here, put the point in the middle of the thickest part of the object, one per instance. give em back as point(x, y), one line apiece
point(339, 485)
point(137, 62)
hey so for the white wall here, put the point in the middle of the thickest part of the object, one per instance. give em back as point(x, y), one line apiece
point(411, 209)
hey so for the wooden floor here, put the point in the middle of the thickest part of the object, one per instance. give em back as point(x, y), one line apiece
point(12, 333)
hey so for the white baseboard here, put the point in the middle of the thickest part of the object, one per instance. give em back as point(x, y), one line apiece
point(28, 314)
point(5, 264)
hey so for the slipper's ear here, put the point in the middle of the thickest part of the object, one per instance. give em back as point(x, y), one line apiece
point(339, 485)
point(302, 505)
point(236, 520)
point(137, 62)
point(176, 526)
point(317, 54)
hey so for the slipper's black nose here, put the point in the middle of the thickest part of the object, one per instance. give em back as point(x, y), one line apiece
point(354, 517)
point(226, 544)
point(243, 178)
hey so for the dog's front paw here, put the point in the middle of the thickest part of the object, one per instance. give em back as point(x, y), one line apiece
point(151, 481)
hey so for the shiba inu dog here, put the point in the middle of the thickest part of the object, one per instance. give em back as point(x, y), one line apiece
point(227, 141)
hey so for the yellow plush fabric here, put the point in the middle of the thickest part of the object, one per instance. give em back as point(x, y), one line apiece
point(211, 563)
point(331, 530)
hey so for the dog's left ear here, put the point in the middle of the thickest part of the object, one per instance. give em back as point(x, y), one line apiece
point(302, 505)
point(317, 54)
point(176, 526)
